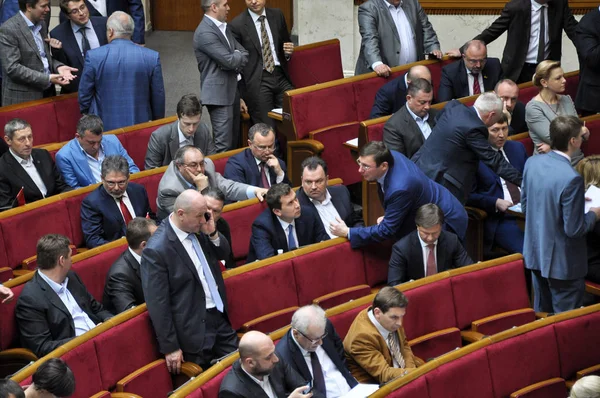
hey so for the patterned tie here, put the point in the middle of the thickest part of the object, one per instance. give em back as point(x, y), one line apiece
point(268, 61)
point(476, 87)
point(126, 214)
point(264, 181)
point(318, 378)
point(291, 240)
point(210, 279)
point(85, 44)
point(395, 349)
point(431, 266)
point(513, 190)
point(542, 39)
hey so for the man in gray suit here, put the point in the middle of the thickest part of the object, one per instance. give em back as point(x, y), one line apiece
point(28, 69)
point(407, 129)
point(187, 130)
point(220, 61)
point(394, 32)
point(552, 199)
point(191, 170)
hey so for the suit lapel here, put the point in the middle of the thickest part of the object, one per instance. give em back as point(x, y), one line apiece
point(464, 79)
point(414, 127)
point(251, 31)
point(298, 357)
point(181, 252)
point(280, 234)
point(385, 14)
point(22, 175)
point(28, 35)
point(441, 253)
point(273, 24)
point(52, 296)
point(115, 212)
point(72, 42)
point(174, 139)
point(417, 258)
point(214, 27)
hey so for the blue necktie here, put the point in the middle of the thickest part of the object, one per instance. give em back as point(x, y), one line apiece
point(291, 241)
point(210, 280)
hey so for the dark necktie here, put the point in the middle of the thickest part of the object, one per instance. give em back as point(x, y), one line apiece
point(318, 378)
point(291, 240)
point(264, 181)
point(431, 266)
point(513, 190)
point(126, 214)
point(268, 61)
point(85, 44)
point(476, 87)
point(542, 39)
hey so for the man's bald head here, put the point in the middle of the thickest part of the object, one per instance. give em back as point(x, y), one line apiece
point(189, 211)
point(253, 343)
point(418, 72)
point(186, 200)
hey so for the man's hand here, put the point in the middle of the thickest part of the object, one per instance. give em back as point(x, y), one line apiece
point(503, 205)
point(174, 361)
point(379, 220)
point(438, 54)
point(297, 393)
point(6, 294)
point(200, 180)
point(58, 79)
point(209, 227)
point(383, 70)
point(54, 43)
point(288, 48)
point(454, 53)
point(596, 210)
point(586, 133)
point(339, 228)
point(66, 72)
point(542, 147)
point(260, 193)
point(273, 163)
point(243, 107)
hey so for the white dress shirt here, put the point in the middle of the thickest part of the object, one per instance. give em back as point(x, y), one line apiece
point(471, 81)
point(90, 33)
point(408, 47)
point(223, 28)
point(384, 333)
point(277, 180)
point(285, 225)
point(33, 173)
point(421, 122)
point(327, 212)
point(425, 253)
point(505, 191)
point(39, 42)
point(183, 140)
point(534, 36)
point(264, 384)
point(94, 164)
point(100, 5)
point(255, 17)
point(128, 205)
point(137, 257)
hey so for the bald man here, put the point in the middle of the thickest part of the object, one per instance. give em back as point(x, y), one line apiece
point(183, 286)
point(259, 373)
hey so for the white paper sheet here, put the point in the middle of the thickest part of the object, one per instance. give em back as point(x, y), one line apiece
point(353, 141)
point(593, 193)
point(277, 110)
point(361, 391)
point(516, 208)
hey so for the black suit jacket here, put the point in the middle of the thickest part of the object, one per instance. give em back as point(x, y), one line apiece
point(340, 197)
point(44, 321)
point(401, 133)
point(283, 380)
point(389, 98)
point(174, 295)
point(225, 230)
point(517, 123)
point(70, 54)
point(588, 50)
point(455, 83)
point(13, 177)
point(123, 287)
point(242, 167)
point(289, 351)
point(406, 262)
point(516, 19)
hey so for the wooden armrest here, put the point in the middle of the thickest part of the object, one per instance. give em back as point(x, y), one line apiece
point(17, 353)
point(250, 325)
point(100, 394)
point(592, 370)
point(542, 315)
point(30, 263)
point(297, 151)
point(124, 395)
point(312, 145)
point(342, 296)
point(522, 314)
point(537, 386)
point(593, 288)
point(190, 369)
point(21, 272)
point(275, 116)
point(471, 336)
point(431, 335)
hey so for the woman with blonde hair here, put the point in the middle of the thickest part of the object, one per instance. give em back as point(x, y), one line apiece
point(547, 105)
point(589, 168)
point(586, 387)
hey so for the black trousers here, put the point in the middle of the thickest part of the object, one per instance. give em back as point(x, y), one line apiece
point(270, 96)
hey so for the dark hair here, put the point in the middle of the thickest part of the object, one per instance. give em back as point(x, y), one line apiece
point(503, 118)
point(562, 129)
point(389, 297)
point(429, 215)
point(91, 123)
point(379, 151)
point(10, 387)
point(138, 231)
point(260, 128)
point(215, 193)
point(275, 193)
point(189, 105)
point(505, 81)
point(64, 5)
point(113, 163)
point(50, 248)
point(419, 85)
point(13, 126)
point(312, 163)
point(24, 3)
point(180, 154)
point(55, 377)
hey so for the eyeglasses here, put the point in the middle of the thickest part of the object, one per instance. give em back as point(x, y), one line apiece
point(264, 147)
point(112, 184)
point(363, 166)
point(194, 165)
point(80, 10)
point(315, 341)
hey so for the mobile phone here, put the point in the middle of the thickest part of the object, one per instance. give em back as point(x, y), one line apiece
point(309, 389)
point(207, 216)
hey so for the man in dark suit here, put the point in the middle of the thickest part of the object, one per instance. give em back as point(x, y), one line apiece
point(284, 226)
point(215, 200)
point(494, 195)
point(459, 140)
point(45, 320)
point(426, 251)
point(107, 210)
point(508, 91)
point(27, 168)
point(187, 130)
point(313, 348)
point(474, 74)
point(587, 100)
point(184, 288)
point(121, 81)
point(78, 34)
point(264, 34)
point(407, 129)
point(257, 165)
point(123, 286)
point(259, 373)
point(403, 189)
point(332, 203)
point(521, 18)
point(392, 96)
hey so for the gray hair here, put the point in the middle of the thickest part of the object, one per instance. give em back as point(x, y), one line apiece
point(91, 123)
point(114, 163)
point(489, 102)
point(308, 315)
point(121, 24)
point(180, 154)
point(586, 387)
point(13, 126)
point(475, 44)
point(260, 128)
point(207, 3)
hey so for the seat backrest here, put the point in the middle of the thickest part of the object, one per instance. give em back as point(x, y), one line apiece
point(220, 159)
point(9, 332)
point(592, 145)
point(67, 112)
point(365, 90)
point(575, 347)
point(150, 180)
point(343, 320)
point(135, 138)
point(154, 381)
point(94, 266)
point(572, 83)
point(524, 139)
point(316, 63)
point(240, 217)
point(84, 363)
point(211, 388)
point(416, 388)
point(377, 258)
point(73, 202)
point(40, 115)
point(339, 159)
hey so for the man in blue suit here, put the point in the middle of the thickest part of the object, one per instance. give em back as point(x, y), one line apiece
point(122, 82)
point(257, 165)
point(80, 160)
point(495, 195)
point(284, 226)
point(403, 189)
point(106, 211)
point(313, 348)
point(71, 34)
point(555, 222)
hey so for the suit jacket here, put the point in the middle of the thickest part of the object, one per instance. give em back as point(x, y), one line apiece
point(390, 97)
point(72, 161)
point(407, 263)
point(23, 73)
point(401, 133)
point(13, 177)
point(517, 123)
point(455, 83)
point(593, 248)
point(70, 54)
point(123, 287)
point(268, 236)
point(488, 188)
point(368, 355)
point(459, 140)
point(224, 229)
point(172, 184)
point(164, 143)
point(170, 282)
point(8, 8)
point(588, 50)
point(242, 167)
point(555, 222)
point(516, 19)
point(380, 40)
point(219, 62)
point(44, 321)
point(340, 197)
point(288, 351)
point(405, 189)
point(137, 73)
point(283, 380)
point(131, 7)
point(101, 218)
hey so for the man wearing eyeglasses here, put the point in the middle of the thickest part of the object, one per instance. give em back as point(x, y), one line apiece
point(106, 211)
point(78, 34)
point(257, 165)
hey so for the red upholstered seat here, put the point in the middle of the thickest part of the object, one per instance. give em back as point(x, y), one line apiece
point(339, 159)
point(41, 117)
point(154, 381)
point(93, 270)
point(211, 388)
point(572, 83)
point(415, 389)
point(592, 145)
point(67, 112)
point(375, 132)
point(528, 144)
point(377, 258)
point(342, 296)
point(364, 93)
point(526, 94)
point(9, 330)
point(504, 321)
point(73, 205)
point(553, 388)
point(83, 361)
point(270, 322)
point(198, 394)
point(150, 182)
point(570, 334)
point(3, 256)
point(316, 63)
point(342, 321)
point(240, 220)
point(436, 73)
point(6, 273)
point(135, 139)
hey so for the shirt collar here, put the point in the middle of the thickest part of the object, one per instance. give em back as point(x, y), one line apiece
point(28, 21)
point(536, 6)
point(383, 331)
point(285, 225)
point(20, 160)
point(388, 5)
point(100, 151)
point(325, 202)
point(382, 179)
point(182, 137)
point(56, 287)
point(415, 116)
point(181, 235)
point(76, 28)
point(423, 244)
point(260, 383)
point(255, 16)
point(220, 25)
point(137, 257)
point(302, 350)
point(564, 155)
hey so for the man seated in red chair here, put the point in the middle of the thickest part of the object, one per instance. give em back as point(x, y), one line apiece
point(55, 305)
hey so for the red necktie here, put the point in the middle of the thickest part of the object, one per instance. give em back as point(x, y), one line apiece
point(126, 214)
point(263, 176)
point(431, 267)
point(476, 87)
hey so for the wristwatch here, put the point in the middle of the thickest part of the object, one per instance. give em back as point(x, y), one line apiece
point(212, 234)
